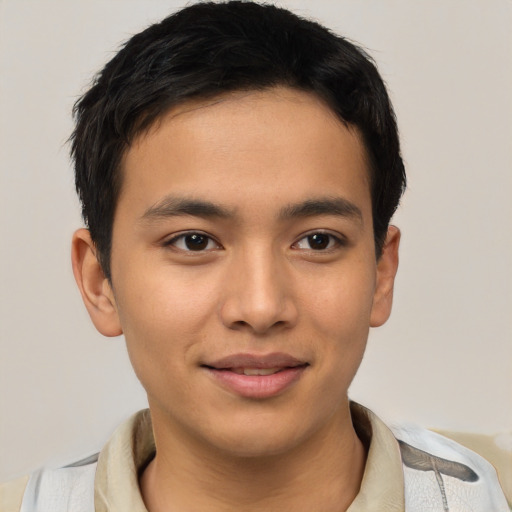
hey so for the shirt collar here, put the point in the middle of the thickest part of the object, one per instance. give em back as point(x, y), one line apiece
point(382, 487)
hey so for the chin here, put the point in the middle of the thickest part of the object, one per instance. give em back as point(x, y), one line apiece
point(258, 446)
point(254, 438)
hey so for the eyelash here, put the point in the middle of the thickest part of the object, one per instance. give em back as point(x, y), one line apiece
point(333, 242)
point(182, 236)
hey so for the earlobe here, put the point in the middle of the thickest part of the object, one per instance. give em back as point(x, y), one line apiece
point(387, 266)
point(94, 287)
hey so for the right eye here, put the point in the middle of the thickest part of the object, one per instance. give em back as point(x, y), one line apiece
point(319, 241)
point(193, 242)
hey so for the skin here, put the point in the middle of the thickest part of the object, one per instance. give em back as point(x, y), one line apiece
point(257, 286)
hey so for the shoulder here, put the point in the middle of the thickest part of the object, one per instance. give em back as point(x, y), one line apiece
point(52, 490)
point(11, 494)
point(440, 474)
point(72, 487)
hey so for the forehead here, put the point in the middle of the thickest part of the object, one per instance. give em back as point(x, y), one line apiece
point(281, 142)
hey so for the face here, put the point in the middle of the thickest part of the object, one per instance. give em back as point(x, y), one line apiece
point(244, 275)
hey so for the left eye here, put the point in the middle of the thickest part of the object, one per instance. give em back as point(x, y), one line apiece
point(317, 242)
point(196, 242)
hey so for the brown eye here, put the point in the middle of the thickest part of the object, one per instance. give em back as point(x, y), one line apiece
point(196, 242)
point(318, 242)
point(193, 242)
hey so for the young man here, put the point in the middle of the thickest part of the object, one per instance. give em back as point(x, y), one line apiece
point(238, 168)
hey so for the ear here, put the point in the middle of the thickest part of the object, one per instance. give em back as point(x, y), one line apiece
point(387, 265)
point(94, 286)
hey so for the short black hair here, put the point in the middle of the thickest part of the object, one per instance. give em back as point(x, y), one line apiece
point(208, 49)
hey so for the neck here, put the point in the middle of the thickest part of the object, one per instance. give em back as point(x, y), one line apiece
point(323, 473)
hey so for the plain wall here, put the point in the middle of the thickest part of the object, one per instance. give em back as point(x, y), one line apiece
point(443, 360)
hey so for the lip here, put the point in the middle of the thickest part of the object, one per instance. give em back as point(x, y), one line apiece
point(273, 360)
point(256, 386)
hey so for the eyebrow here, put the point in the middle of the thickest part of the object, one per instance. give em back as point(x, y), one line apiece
point(337, 206)
point(172, 206)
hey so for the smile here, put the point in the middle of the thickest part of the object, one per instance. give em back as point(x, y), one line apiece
point(257, 377)
point(256, 371)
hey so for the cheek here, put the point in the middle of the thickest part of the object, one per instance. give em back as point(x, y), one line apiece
point(163, 320)
point(165, 299)
point(340, 322)
point(342, 305)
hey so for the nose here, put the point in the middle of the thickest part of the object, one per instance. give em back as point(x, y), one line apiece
point(258, 294)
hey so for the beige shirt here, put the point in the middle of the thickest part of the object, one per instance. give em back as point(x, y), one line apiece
point(132, 447)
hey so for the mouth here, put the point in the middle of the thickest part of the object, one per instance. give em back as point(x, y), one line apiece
point(256, 371)
point(256, 376)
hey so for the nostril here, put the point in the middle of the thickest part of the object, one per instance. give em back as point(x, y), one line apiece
point(243, 310)
point(241, 323)
point(258, 328)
